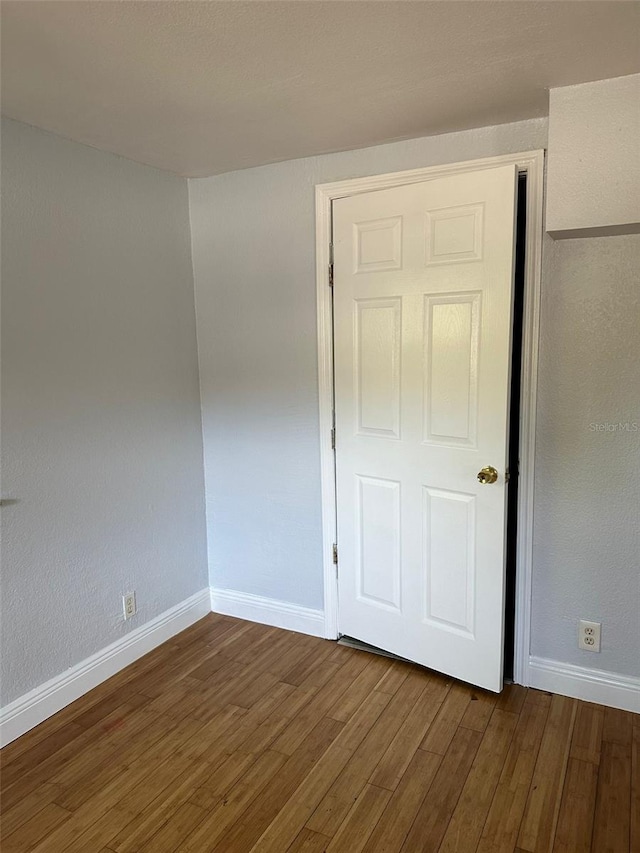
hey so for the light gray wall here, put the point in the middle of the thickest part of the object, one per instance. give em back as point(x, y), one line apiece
point(587, 505)
point(100, 413)
point(253, 237)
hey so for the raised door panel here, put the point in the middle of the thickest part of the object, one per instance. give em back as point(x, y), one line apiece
point(377, 245)
point(451, 355)
point(378, 525)
point(377, 366)
point(449, 563)
point(454, 234)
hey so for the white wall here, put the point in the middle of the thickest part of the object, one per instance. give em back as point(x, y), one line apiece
point(253, 236)
point(587, 488)
point(101, 427)
point(593, 184)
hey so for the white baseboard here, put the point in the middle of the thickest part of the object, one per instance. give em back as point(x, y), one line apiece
point(592, 685)
point(49, 698)
point(28, 711)
point(268, 611)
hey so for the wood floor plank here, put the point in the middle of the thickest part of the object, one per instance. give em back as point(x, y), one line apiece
point(249, 726)
point(206, 835)
point(115, 689)
point(91, 816)
point(319, 706)
point(507, 808)
point(95, 833)
point(283, 828)
point(307, 665)
point(74, 753)
point(207, 629)
point(210, 666)
point(513, 697)
point(167, 674)
point(396, 820)
point(35, 756)
point(374, 746)
point(612, 818)
point(210, 738)
point(587, 733)
point(95, 714)
point(76, 789)
point(353, 778)
point(360, 821)
point(108, 738)
point(308, 841)
point(543, 803)
point(125, 796)
point(134, 836)
point(180, 699)
point(393, 764)
point(297, 659)
point(235, 737)
point(436, 810)
point(12, 751)
point(479, 710)
point(575, 821)
point(444, 727)
point(439, 683)
point(25, 809)
point(439, 686)
point(470, 814)
point(168, 758)
point(40, 824)
point(318, 676)
point(216, 785)
point(270, 804)
point(244, 644)
point(370, 675)
point(168, 837)
point(617, 726)
point(270, 718)
point(635, 788)
point(395, 675)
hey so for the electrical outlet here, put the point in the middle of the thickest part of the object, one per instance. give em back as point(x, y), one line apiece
point(589, 636)
point(129, 605)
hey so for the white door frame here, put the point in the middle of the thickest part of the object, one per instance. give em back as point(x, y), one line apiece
point(532, 164)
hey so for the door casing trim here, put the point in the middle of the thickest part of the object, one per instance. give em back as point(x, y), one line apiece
point(530, 163)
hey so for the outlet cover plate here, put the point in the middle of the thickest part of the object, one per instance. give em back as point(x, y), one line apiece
point(129, 605)
point(589, 635)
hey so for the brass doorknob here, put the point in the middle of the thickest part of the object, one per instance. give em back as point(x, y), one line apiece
point(488, 475)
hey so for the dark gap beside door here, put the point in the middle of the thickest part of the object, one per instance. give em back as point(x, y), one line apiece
point(514, 429)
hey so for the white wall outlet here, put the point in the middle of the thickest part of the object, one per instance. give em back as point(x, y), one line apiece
point(129, 605)
point(589, 636)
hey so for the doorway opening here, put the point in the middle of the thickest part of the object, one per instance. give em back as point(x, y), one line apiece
point(517, 589)
point(514, 429)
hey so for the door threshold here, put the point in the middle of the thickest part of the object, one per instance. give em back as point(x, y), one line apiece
point(352, 643)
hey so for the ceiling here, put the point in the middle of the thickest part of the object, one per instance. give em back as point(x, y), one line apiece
point(200, 88)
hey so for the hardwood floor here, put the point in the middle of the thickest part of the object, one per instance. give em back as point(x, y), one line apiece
point(236, 737)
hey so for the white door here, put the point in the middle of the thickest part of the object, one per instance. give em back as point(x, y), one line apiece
point(423, 279)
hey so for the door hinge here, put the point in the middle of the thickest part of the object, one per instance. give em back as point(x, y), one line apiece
point(330, 275)
point(335, 554)
point(333, 438)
